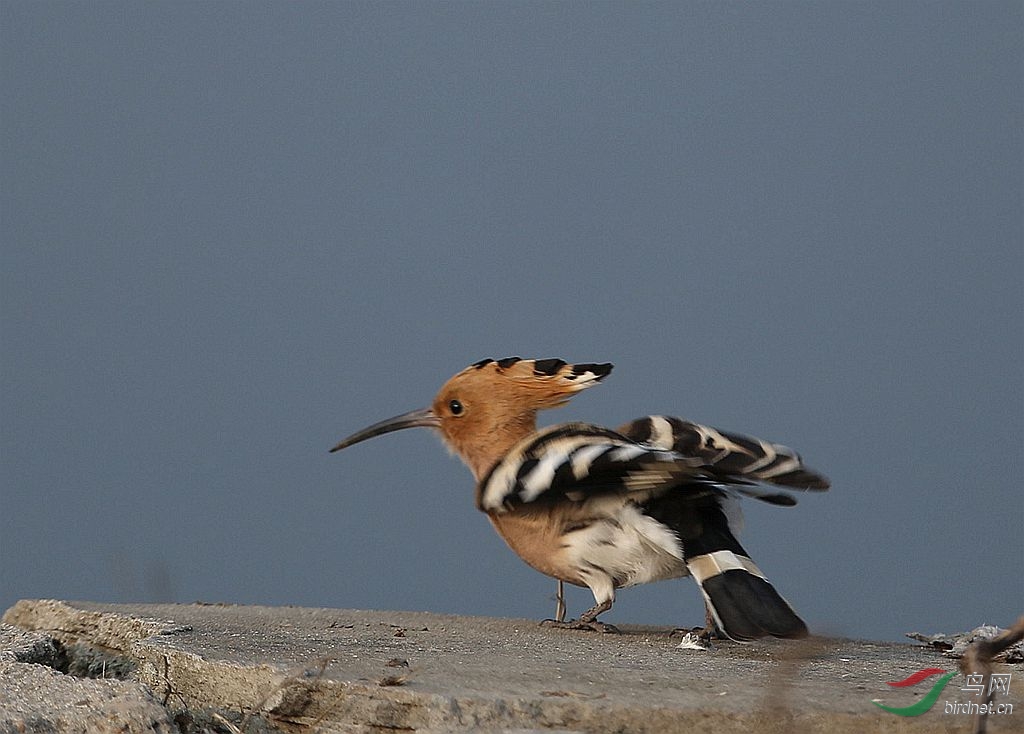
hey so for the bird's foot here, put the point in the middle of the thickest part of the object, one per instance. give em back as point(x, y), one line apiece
point(700, 637)
point(582, 624)
point(704, 634)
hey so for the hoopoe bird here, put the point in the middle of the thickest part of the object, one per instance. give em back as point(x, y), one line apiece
point(655, 499)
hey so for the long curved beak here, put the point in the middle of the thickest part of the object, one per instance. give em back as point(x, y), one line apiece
point(417, 418)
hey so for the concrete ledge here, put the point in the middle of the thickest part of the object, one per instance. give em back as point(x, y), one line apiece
point(36, 697)
point(336, 670)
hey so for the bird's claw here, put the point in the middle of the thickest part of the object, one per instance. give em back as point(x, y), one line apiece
point(704, 634)
point(578, 624)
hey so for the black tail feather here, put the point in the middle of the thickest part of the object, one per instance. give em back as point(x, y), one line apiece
point(739, 598)
point(746, 607)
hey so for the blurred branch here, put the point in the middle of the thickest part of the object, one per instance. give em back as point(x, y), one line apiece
point(978, 659)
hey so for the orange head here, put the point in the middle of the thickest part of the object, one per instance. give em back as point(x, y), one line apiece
point(491, 405)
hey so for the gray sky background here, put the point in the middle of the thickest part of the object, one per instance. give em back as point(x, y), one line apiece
point(233, 233)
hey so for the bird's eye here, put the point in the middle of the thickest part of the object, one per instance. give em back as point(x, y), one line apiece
point(455, 407)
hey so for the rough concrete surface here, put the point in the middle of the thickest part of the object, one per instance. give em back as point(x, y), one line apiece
point(36, 697)
point(255, 669)
point(22, 646)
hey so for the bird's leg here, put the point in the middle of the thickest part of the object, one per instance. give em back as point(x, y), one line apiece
point(706, 633)
point(559, 606)
point(710, 630)
point(587, 620)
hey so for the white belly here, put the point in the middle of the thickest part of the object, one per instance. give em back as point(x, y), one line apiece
point(628, 548)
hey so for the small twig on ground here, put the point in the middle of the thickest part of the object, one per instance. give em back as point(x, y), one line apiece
point(225, 723)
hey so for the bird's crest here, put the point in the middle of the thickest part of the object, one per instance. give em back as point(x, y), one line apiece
point(492, 404)
point(540, 383)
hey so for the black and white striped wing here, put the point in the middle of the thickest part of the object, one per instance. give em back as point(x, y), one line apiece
point(577, 461)
point(732, 457)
